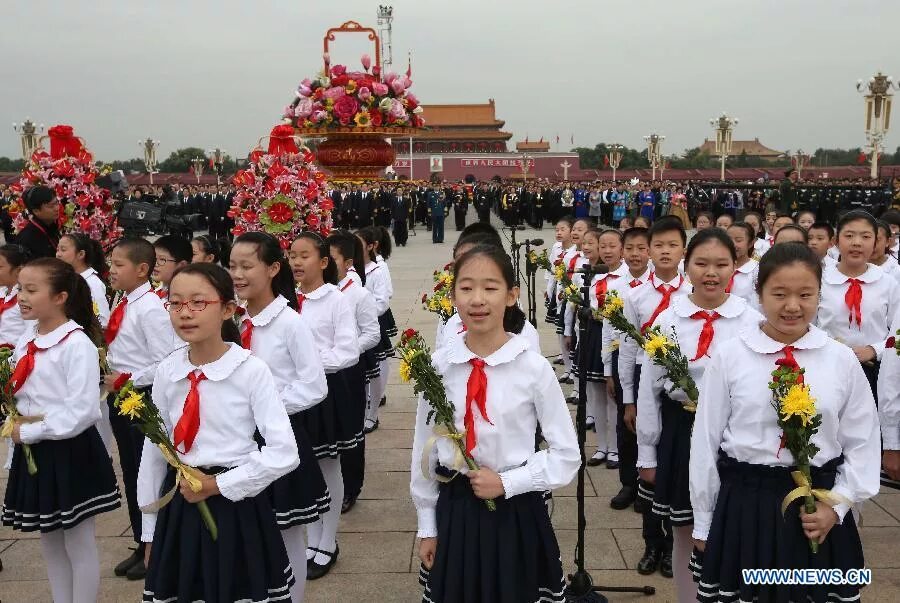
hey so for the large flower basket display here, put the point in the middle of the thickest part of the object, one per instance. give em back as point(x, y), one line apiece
point(69, 169)
point(355, 112)
point(282, 192)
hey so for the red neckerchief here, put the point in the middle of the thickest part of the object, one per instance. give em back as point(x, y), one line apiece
point(706, 333)
point(600, 289)
point(666, 291)
point(4, 306)
point(476, 392)
point(349, 282)
point(853, 298)
point(189, 424)
point(247, 333)
point(25, 365)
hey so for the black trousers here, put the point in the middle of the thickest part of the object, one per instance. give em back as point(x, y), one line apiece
point(460, 219)
point(626, 440)
point(353, 470)
point(437, 230)
point(401, 232)
point(130, 443)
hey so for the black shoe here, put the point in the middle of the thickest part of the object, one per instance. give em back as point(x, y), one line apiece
point(649, 562)
point(137, 556)
point(348, 504)
point(369, 429)
point(383, 401)
point(625, 497)
point(559, 361)
point(612, 464)
point(596, 460)
point(314, 571)
point(665, 564)
point(590, 426)
point(641, 505)
point(138, 571)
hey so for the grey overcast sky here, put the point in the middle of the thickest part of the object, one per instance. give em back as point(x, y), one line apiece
point(218, 72)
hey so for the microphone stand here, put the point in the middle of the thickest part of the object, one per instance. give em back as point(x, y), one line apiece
point(530, 283)
point(581, 588)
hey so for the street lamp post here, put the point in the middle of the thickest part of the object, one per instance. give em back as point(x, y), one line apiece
point(218, 162)
point(877, 92)
point(614, 157)
point(197, 163)
point(149, 147)
point(525, 159)
point(801, 160)
point(724, 126)
point(654, 151)
point(30, 133)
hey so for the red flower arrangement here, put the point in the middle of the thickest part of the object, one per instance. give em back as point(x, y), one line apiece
point(357, 99)
point(281, 192)
point(70, 171)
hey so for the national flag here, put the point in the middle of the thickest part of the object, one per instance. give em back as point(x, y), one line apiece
point(861, 159)
point(191, 170)
point(542, 139)
point(526, 139)
point(606, 161)
point(667, 165)
point(557, 139)
point(212, 164)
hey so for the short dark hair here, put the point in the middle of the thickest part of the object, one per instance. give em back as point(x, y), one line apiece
point(37, 196)
point(823, 226)
point(138, 251)
point(636, 232)
point(668, 224)
point(178, 247)
point(789, 227)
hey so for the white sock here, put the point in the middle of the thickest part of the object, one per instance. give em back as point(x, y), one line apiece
point(682, 546)
point(612, 445)
point(104, 427)
point(567, 360)
point(596, 406)
point(10, 448)
point(331, 470)
point(295, 544)
point(81, 546)
point(59, 568)
point(377, 387)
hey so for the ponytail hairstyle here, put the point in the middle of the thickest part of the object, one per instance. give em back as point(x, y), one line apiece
point(351, 248)
point(384, 242)
point(220, 249)
point(79, 303)
point(221, 281)
point(93, 252)
point(329, 274)
point(513, 317)
point(269, 252)
point(371, 236)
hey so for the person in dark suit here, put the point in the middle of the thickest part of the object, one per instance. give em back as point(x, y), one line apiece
point(364, 204)
point(483, 205)
point(41, 233)
point(437, 208)
point(460, 208)
point(383, 207)
point(400, 211)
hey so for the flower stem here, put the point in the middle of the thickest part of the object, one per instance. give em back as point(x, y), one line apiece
point(206, 514)
point(472, 465)
point(29, 459)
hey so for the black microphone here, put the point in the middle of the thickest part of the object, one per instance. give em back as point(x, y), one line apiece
point(588, 269)
point(534, 242)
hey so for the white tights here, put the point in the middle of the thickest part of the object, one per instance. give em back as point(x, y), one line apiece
point(567, 360)
point(73, 563)
point(295, 543)
point(682, 547)
point(323, 533)
point(603, 411)
point(376, 390)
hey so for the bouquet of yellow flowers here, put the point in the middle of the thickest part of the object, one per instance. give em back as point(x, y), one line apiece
point(8, 408)
point(663, 350)
point(439, 302)
point(415, 366)
point(798, 420)
point(540, 260)
point(894, 342)
point(140, 407)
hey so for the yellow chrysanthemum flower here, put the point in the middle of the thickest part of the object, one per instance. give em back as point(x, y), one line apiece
point(433, 304)
point(613, 305)
point(657, 343)
point(362, 119)
point(797, 402)
point(95, 308)
point(446, 305)
point(132, 405)
point(405, 374)
point(559, 272)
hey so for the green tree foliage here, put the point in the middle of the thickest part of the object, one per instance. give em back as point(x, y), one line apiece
point(11, 165)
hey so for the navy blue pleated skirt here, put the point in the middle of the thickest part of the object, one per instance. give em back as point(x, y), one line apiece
point(319, 424)
point(248, 562)
point(748, 531)
point(349, 389)
point(560, 319)
point(594, 353)
point(371, 366)
point(505, 556)
point(301, 496)
point(551, 305)
point(388, 328)
point(672, 495)
point(74, 481)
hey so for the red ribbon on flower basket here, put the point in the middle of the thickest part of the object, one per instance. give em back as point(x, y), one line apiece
point(63, 142)
point(281, 140)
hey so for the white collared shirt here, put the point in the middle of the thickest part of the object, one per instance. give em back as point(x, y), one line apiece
point(145, 337)
point(640, 303)
point(362, 305)
point(557, 253)
point(328, 315)
point(378, 282)
point(744, 283)
point(891, 267)
point(522, 391)
point(12, 325)
point(237, 398)
point(735, 314)
point(735, 414)
point(390, 285)
point(98, 294)
point(284, 342)
point(760, 247)
point(454, 329)
point(611, 337)
point(578, 279)
point(64, 386)
point(880, 301)
point(889, 393)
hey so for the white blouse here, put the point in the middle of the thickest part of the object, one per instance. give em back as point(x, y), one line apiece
point(237, 397)
point(611, 337)
point(98, 294)
point(454, 329)
point(12, 326)
point(880, 301)
point(145, 337)
point(640, 303)
point(522, 392)
point(64, 386)
point(735, 414)
point(328, 315)
point(889, 393)
point(557, 253)
point(760, 247)
point(744, 283)
point(284, 342)
point(735, 314)
point(378, 282)
point(362, 304)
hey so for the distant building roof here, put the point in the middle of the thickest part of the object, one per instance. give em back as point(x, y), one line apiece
point(480, 115)
point(752, 148)
point(539, 146)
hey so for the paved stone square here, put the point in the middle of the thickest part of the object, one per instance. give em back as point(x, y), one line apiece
point(378, 560)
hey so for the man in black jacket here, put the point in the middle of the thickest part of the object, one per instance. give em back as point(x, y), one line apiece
point(400, 211)
point(41, 234)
